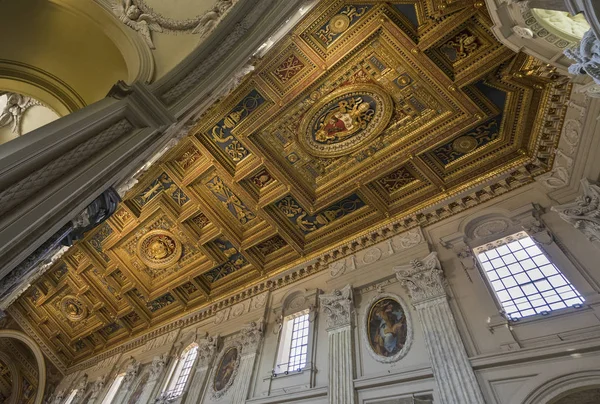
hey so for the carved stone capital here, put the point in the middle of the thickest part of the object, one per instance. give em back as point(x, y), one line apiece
point(207, 349)
point(251, 336)
point(423, 279)
point(157, 366)
point(131, 372)
point(584, 213)
point(338, 307)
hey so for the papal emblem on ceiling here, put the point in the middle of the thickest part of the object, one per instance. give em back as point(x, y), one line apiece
point(345, 120)
point(159, 249)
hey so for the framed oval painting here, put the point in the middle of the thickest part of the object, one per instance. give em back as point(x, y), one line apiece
point(387, 328)
point(226, 370)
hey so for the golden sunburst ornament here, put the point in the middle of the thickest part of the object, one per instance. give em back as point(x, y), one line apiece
point(159, 249)
point(464, 144)
point(339, 24)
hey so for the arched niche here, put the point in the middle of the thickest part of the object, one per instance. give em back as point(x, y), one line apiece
point(590, 395)
point(16, 378)
point(67, 52)
point(39, 357)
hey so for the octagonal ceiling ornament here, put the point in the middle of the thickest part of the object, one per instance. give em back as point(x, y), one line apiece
point(73, 308)
point(345, 120)
point(159, 249)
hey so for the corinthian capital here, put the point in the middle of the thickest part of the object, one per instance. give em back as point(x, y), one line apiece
point(207, 348)
point(584, 213)
point(338, 306)
point(423, 279)
point(251, 336)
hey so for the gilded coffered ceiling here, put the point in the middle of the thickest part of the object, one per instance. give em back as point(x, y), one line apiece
point(369, 113)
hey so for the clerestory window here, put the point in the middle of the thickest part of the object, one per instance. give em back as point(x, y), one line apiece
point(180, 372)
point(293, 343)
point(524, 279)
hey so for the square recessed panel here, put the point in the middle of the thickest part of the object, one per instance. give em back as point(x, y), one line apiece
point(288, 69)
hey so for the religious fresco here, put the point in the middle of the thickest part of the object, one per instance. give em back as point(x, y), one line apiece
point(369, 114)
point(387, 327)
point(226, 369)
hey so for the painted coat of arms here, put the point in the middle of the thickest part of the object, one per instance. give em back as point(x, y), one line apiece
point(345, 120)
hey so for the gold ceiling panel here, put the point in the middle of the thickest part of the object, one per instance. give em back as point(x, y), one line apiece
point(368, 112)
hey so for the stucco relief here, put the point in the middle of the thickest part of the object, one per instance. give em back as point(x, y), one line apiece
point(423, 279)
point(584, 213)
point(338, 307)
point(139, 16)
point(377, 252)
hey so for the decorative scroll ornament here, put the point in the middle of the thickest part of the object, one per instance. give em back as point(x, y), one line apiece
point(98, 385)
point(142, 18)
point(251, 336)
point(207, 348)
point(157, 366)
point(12, 113)
point(338, 306)
point(81, 386)
point(423, 279)
point(131, 371)
point(584, 213)
point(73, 308)
point(159, 249)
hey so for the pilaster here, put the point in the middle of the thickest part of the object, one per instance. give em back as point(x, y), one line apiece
point(156, 370)
point(425, 283)
point(251, 337)
point(207, 349)
point(130, 375)
point(338, 307)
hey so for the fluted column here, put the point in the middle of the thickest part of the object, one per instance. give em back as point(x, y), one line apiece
point(339, 309)
point(425, 283)
point(250, 338)
point(207, 348)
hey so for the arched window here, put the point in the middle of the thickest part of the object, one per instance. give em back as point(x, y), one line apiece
point(525, 281)
point(114, 388)
point(180, 372)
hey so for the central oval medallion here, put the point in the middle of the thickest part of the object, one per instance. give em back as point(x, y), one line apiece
point(345, 120)
point(159, 249)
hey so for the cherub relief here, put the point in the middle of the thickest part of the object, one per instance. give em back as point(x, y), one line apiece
point(130, 14)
